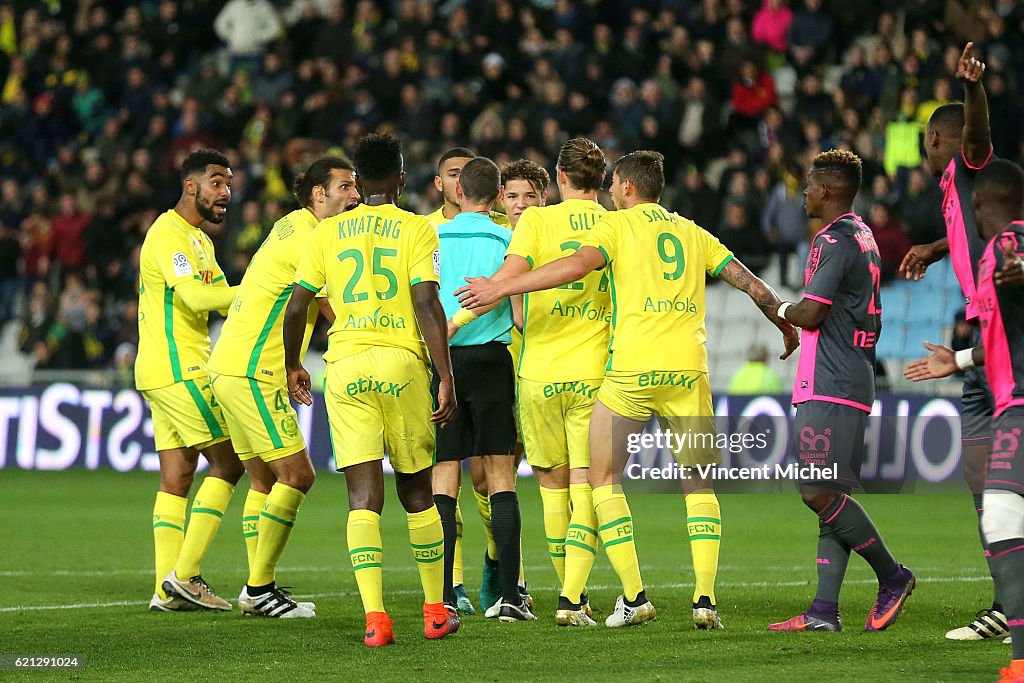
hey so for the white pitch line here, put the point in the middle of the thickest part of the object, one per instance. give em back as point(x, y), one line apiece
point(684, 584)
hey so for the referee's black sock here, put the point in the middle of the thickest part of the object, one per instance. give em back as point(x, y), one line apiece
point(446, 508)
point(507, 526)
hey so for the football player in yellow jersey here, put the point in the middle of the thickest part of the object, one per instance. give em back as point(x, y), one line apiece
point(562, 361)
point(657, 313)
point(449, 168)
point(180, 282)
point(381, 267)
point(249, 382)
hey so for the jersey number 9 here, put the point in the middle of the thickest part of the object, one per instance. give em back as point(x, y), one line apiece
point(670, 249)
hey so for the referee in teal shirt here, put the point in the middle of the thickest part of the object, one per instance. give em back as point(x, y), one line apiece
point(484, 425)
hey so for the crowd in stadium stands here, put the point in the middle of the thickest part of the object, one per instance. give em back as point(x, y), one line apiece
point(100, 101)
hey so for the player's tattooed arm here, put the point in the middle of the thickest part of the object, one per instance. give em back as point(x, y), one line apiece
point(977, 136)
point(299, 384)
point(740, 277)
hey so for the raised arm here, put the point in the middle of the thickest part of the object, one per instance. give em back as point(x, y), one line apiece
point(977, 137)
point(433, 325)
point(740, 277)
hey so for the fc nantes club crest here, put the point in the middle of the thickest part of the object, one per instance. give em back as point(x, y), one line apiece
point(289, 426)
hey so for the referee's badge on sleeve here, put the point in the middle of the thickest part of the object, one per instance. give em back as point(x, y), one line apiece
point(437, 262)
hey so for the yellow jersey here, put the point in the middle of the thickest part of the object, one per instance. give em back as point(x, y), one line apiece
point(437, 218)
point(657, 262)
point(251, 343)
point(566, 329)
point(369, 258)
point(174, 341)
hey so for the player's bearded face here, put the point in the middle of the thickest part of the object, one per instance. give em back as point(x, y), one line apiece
point(341, 193)
point(213, 194)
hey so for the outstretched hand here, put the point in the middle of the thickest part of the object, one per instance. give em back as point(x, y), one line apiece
point(480, 292)
point(941, 363)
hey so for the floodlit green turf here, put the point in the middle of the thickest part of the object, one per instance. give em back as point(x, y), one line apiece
point(75, 560)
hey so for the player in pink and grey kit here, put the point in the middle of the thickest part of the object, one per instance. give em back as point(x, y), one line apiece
point(998, 201)
point(958, 143)
point(841, 317)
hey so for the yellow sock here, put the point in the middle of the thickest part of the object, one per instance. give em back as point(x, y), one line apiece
point(556, 521)
point(580, 541)
point(203, 522)
point(457, 579)
point(276, 521)
point(427, 541)
point(615, 526)
point(254, 501)
point(483, 506)
point(168, 533)
point(367, 555)
point(704, 523)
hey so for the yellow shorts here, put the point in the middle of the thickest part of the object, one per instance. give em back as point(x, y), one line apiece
point(380, 400)
point(186, 415)
point(554, 418)
point(680, 399)
point(261, 420)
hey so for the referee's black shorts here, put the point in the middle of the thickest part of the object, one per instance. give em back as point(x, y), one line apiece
point(485, 420)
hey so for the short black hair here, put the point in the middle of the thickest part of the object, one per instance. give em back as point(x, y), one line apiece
point(1003, 182)
point(480, 180)
point(455, 153)
point(318, 173)
point(949, 118)
point(525, 169)
point(844, 166)
point(197, 161)
point(645, 169)
point(378, 156)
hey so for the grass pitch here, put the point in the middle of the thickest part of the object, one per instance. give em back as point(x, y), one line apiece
point(76, 565)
